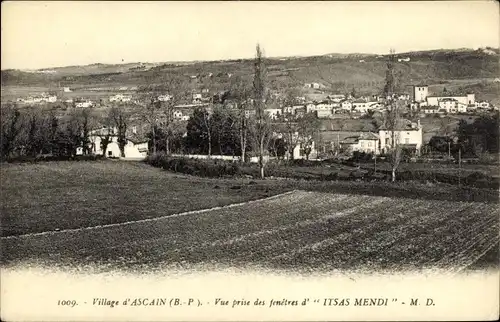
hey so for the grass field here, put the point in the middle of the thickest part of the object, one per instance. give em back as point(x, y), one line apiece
point(298, 230)
point(61, 195)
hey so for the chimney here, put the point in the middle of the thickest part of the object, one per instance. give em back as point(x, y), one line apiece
point(418, 124)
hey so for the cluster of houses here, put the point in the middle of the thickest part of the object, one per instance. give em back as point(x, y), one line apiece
point(42, 98)
point(335, 104)
point(441, 104)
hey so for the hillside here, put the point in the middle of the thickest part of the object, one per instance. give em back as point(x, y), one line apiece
point(340, 72)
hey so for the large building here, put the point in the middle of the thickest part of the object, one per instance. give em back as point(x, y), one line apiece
point(467, 99)
point(419, 93)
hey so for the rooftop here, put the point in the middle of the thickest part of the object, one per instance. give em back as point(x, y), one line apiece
point(369, 136)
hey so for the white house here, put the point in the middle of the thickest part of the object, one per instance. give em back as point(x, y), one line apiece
point(468, 99)
point(406, 59)
point(374, 106)
point(133, 148)
point(120, 98)
point(336, 97)
point(314, 85)
point(273, 113)
point(310, 107)
point(165, 98)
point(482, 104)
point(67, 89)
point(298, 150)
point(429, 109)
point(249, 113)
point(84, 104)
point(360, 106)
point(448, 104)
point(365, 142)
point(51, 99)
point(197, 97)
point(346, 105)
point(408, 135)
point(291, 109)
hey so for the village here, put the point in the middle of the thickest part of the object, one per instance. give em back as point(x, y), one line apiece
point(418, 103)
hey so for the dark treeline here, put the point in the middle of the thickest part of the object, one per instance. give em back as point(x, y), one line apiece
point(31, 132)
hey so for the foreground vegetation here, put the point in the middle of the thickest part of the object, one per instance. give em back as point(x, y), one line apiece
point(63, 195)
point(331, 170)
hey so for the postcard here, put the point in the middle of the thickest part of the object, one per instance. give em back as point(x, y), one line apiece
point(249, 161)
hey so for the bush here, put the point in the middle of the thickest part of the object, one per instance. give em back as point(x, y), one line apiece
point(197, 167)
point(358, 156)
point(302, 163)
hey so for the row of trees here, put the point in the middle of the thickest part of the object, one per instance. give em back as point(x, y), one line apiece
point(222, 131)
point(32, 132)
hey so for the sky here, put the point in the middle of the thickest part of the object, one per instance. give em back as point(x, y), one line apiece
point(46, 34)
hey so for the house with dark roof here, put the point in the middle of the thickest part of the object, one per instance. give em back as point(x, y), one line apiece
point(367, 142)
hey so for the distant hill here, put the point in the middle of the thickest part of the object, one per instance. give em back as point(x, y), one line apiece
point(340, 72)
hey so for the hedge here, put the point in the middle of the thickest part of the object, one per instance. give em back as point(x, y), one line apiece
point(197, 167)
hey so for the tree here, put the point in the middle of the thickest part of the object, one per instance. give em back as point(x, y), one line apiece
point(105, 135)
point(291, 134)
point(86, 119)
point(353, 93)
point(150, 114)
point(480, 136)
point(308, 127)
point(197, 136)
point(54, 132)
point(160, 114)
point(241, 93)
point(11, 127)
point(120, 119)
point(207, 124)
point(278, 147)
point(393, 115)
point(291, 128)
point(70, 135)
point(224, 131)
point(34, 144)
point(445, 126)
point(260, 128)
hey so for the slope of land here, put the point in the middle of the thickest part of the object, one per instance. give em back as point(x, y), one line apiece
point(341, 71)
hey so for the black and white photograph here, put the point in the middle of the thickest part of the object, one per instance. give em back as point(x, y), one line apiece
point(251, 160)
